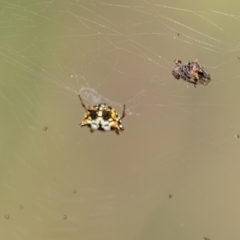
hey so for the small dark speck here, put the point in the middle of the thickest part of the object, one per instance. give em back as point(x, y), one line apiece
point(21, 206)
point(65, 217)
point(238, 135)
point(7, 216)
point(178, 34)
point(45, 128)
point(170, 196)
point(74, 191)
point(206, 238)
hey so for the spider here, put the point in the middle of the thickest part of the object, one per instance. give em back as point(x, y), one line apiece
point(102, 117)
point(191, 72)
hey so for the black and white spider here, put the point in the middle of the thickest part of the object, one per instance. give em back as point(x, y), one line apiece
point(102, 117)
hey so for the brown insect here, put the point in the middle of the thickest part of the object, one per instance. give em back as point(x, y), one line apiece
point(192, 72)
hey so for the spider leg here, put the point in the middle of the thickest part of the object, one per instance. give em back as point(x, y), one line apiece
point(123, 113)
point(82, 103)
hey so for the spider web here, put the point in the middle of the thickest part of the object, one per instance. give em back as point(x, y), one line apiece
point(172, 174)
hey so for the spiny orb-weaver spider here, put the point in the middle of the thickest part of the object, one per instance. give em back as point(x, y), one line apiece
point(192, 72)
point(102, 117)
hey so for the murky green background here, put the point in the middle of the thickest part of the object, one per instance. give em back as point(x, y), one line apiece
point(172, 174)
